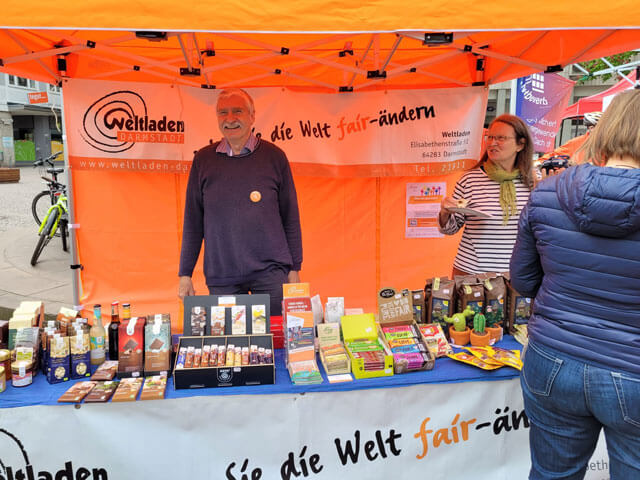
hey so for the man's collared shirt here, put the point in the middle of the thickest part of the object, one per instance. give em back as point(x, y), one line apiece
point(249, 147)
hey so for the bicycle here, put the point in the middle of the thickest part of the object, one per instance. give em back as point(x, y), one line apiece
point(57, 216)
point(40, 206)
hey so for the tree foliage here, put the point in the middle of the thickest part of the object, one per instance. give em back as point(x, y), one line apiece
point(593, 66)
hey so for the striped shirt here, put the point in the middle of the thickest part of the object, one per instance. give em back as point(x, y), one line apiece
point(486, 243)
point(225, 147)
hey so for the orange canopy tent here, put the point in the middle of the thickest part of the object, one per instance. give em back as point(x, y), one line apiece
point(314, 46)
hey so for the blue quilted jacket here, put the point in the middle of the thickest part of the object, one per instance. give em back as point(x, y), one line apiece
point(578, 254)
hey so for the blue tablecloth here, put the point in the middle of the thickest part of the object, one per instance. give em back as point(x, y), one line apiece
point(445, 371)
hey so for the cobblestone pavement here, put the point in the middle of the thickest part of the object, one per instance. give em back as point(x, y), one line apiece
point(15, 198)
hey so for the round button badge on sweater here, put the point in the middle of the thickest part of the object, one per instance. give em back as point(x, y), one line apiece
point(255, 196)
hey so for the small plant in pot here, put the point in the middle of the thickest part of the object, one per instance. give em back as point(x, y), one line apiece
point(479, 336)
point(458, 331)
point(493, 326)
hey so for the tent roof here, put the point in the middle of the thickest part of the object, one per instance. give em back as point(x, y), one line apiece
point(594, 102)
point(316, 45)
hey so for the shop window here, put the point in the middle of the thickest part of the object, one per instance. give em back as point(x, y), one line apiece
point(22, 82)
point(54, 88)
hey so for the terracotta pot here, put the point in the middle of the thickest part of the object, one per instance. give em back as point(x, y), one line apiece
point(459, 338)
point(495, 333)
point(479, 339)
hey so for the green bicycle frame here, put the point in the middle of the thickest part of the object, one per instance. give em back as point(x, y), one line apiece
point(58, 208)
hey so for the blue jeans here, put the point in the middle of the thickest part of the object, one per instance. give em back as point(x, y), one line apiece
point(568, 402)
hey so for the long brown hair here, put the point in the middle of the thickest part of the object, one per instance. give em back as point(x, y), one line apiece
point(617, 134)
point(524, 158)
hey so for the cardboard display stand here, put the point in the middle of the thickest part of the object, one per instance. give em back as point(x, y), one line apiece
point(225, 376)
point(208, 301)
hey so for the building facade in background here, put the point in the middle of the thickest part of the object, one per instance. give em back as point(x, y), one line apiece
point(30, 120)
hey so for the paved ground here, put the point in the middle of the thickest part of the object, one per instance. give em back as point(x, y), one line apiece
point(50, 279)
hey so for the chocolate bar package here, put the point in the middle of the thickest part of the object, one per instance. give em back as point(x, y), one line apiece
point(258, 319)
point(77, 392)
point(157, 343)
point(238, 320)
point(130, 345)
point(218, 314)
point(106, 371)
point(154, 387)
point(57, 370)
point(127, 390)
point(198, 321)
point(102, 392)
point(79, 346)
point(439, 294)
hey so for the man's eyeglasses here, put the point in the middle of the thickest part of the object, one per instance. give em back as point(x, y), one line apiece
point(497, 138)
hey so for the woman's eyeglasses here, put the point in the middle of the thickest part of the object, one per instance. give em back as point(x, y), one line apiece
point(497, 138)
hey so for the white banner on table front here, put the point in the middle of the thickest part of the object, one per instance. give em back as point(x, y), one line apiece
point(156, 128)
point(444, 431)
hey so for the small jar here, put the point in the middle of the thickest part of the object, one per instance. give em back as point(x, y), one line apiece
point(22, 374)
point(5, 361)
point(3, 381)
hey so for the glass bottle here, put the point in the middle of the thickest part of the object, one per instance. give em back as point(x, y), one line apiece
point(113, 332)
point(97, 335)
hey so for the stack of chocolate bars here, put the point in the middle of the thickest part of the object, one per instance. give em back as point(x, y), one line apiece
point(405, 344)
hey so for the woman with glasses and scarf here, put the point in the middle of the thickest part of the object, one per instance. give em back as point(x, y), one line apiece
point(499, 185)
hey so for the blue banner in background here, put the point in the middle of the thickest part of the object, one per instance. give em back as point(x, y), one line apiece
point(540, 100)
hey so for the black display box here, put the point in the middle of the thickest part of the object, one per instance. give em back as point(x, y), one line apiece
point(208, 301)
point(207, 377)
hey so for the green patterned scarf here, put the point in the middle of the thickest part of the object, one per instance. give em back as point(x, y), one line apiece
point(508, 199)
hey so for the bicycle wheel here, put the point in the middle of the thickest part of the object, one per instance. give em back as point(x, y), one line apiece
point(40, 206)
point(44, 237)
point(64, 232)
point(42, 242)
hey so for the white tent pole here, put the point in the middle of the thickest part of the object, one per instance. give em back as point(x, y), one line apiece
point(75, 275)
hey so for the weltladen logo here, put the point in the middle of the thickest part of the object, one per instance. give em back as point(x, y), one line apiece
point(15, 464)
point(119, 120)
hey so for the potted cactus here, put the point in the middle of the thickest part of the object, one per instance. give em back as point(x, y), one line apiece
point(458, 331)
point(479, 336)
point(493, 326)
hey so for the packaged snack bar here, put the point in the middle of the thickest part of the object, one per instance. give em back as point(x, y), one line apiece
point(245, 355)
point(127, 390)
point(511, 358)
point(435, 339)
point(206, 352)
point(231, 355)
point(197, 356)
point(154, 387)
point(106, 371)
point(217, 320)
point(472, 360)
point(483, 354)
point(182, 357)
point(222, 356)
point(198, 321)
point(77, 392)
point(188, 363)
point(238, 320)
point(102, 392)
point(258, 319)
point(237, 358)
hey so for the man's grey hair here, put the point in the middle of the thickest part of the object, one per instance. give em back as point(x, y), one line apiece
point(230, 92)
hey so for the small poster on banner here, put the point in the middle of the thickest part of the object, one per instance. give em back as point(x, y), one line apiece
point(423, 207)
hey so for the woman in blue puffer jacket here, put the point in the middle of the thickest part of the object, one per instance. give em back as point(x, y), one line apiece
point(578, 253)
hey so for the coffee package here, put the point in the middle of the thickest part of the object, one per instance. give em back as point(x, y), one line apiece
point(57, 368)
point(80, 348)
point(469, 293)
point(419, 311)
point(519, 309)
point(130, 346)
point(157, 343)
point(495, 293)
point(439, 293)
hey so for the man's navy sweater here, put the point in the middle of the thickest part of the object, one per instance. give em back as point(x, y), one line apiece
point(242, 238)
